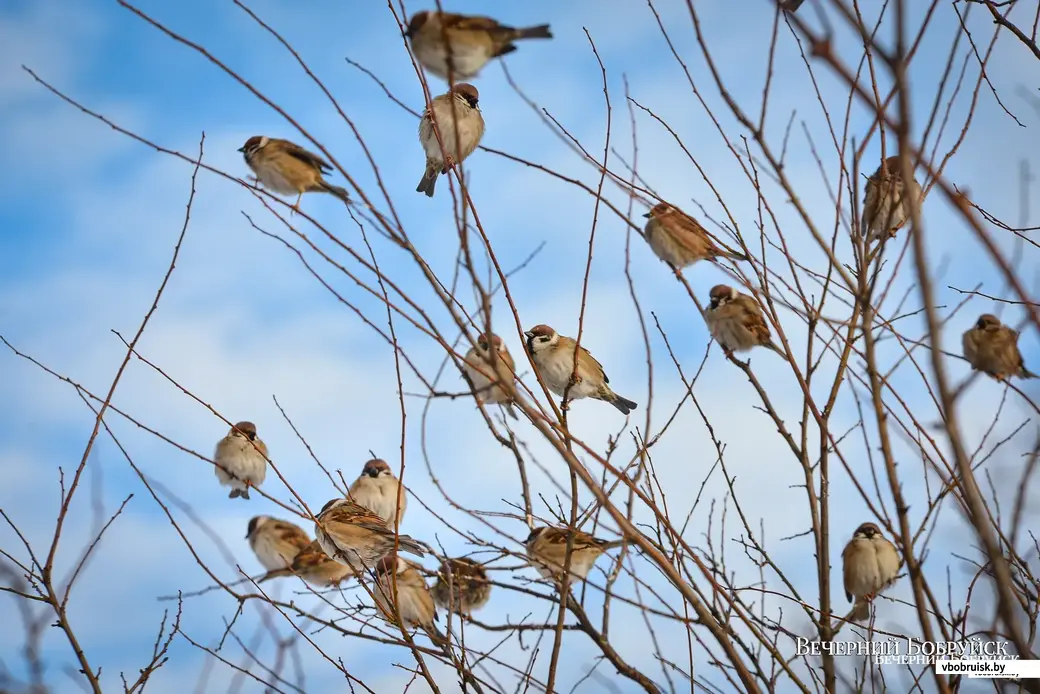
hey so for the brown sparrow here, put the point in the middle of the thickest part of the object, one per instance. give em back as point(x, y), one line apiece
point(456, 110)
point(553, 356)
point(486, 368)
point(275, 542)
point(316, 568)
point(885, 207)
point(736, 321)
point(287, 168)
point(462, 586)
point(992, 347)
point(353, 535)
point(680, 240)
point(547, 549)
point(241, 459)
point(413, 599)
point(871, 564)
point(473, 41)
point(376, 489)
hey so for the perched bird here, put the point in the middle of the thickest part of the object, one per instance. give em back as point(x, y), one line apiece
point(491, 371)
point(473, 42)
point(553, 355)
point(791, 5)
point(287, 168)
point(547, 550)
point(736, 321)
point(885, 202)
point(871, 563)
point(241, 459)
point(353, 535)
point(377, 489)
point(680, 240)
point(275, 542)
point(992, 347)
point(462, 586)
point(454, 112)
point(413, 599)
point(316, 568)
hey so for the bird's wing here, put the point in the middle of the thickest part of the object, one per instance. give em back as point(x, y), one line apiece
point(293, 534)
point(846, 568)
point(309, 158)
point(461, 22)
point(588, 366)
point(753, 318)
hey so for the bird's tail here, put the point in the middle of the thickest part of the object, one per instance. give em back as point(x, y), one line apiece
point(275, 574)
point(339, 192)
point(733, 255)
point(791, 5)
point(623, 404)
point(861, 610)
point(411, 545)
point(614, 544)
point(508, 407)
point(776, 348)
point(1026, 373)
point(539, 32)
point(428, 182)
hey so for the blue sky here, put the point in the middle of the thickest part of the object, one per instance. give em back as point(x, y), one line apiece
point(88, 223)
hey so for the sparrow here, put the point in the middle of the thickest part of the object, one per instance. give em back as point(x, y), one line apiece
point(455, 111)
point(992, 347)
point(287, 168)
point(487, 368)
point(353, 535)
point(736, 321)
point(473, 41)
point(275, 542)
point(791, 5)
point(316, 568)
point(871, 564)
point(884, 202)
point(547, 549)
point(680, 240)
point(462, 586)
point(241, 459)
point(377, 489)
point(553, 356)
point(413, 599)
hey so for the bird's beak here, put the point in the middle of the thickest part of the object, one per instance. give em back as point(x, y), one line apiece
point(247, 536)
point(373, 473)
point(645, 216)
point(242, 148)
point(528, 334)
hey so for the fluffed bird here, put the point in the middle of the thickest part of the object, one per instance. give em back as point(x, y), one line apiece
point(553, 356)
point(454, 112)
point(887, 199)
point(462, 586)
point(547, 551)
point(870, 563)
point(473, 41)
point(288, 169)
point(377, 489)
point(491, 369)
point(353, 535)
point(680, 240)
point(241, 459)
point(992, 347)
point(275, 542)
point(412, 598)
point(736, 321)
